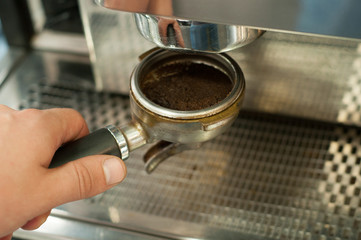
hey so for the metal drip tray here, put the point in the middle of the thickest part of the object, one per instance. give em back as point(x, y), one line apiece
point(269, 177)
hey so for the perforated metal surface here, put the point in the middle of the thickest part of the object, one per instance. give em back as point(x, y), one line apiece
point(302, 76)
point(269, 176)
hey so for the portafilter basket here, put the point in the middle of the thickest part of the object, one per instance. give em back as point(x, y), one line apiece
point(173, 130)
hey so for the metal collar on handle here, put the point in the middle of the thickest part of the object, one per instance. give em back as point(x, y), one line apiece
point(121, 141)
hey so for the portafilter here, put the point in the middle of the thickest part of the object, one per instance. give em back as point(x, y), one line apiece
point(171, 130)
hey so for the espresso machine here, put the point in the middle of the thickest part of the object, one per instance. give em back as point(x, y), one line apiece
point(278, 158)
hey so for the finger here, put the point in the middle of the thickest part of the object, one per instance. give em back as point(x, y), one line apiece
point(8, 237)
point(36, 222)
point(53, 126)
point(179, 35)
point(83, 178)
point(71, 124)
point(162, 28)
point(4, 108)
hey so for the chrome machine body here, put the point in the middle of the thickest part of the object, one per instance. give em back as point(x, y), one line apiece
point(338, 19)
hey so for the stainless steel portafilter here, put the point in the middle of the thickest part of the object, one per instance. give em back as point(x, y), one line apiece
point(171, 130)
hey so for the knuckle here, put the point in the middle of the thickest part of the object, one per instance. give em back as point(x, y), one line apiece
point(78, 116)
point(78, 119)
point(81, 119)
point(84, 180)
point(31, 112)
point(7, 117)
point(73, 112)
point(34, 116)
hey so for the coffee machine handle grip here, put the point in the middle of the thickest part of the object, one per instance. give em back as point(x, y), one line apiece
point(109, 140)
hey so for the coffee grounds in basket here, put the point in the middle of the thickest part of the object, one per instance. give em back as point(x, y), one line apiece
point(186, 86)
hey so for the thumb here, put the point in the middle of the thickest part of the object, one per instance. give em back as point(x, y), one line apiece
point(84, 178)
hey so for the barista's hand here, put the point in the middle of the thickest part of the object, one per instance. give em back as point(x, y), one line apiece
point(28, 189)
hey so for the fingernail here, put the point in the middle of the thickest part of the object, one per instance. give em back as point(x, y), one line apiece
point(113, 170)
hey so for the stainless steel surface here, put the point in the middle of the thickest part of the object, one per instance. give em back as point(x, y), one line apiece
point(37, 14)
point(181, 34)
point(163, 150)
point(60, 227)
point(47, 68)
point(60, 41)
point(268, 176)
point(322, 17)
point(278, 173)
point(9, 56)
point(8, 61)
point(4, 47)
point(113, 43)
point(135, 135)
point(121, 141)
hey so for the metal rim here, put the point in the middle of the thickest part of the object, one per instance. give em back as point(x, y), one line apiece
point(220, 61)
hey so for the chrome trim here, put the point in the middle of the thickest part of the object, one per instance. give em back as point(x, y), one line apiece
point(121, 141)
point(180, 34)
point(135, 135)
point(322, 17)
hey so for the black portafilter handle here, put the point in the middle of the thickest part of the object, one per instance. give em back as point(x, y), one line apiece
point(108, 140)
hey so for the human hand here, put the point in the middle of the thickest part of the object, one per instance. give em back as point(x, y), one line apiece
point(28, 189)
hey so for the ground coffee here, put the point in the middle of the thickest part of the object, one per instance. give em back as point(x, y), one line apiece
point(186, 86)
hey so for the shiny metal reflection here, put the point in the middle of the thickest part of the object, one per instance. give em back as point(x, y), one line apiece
point(339, 19)
point(191, 35)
